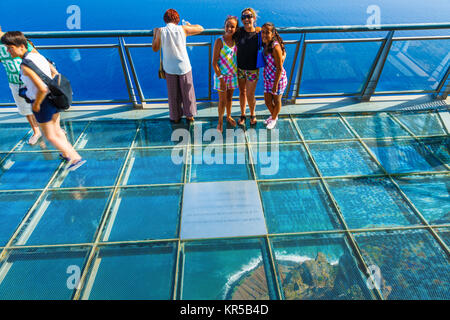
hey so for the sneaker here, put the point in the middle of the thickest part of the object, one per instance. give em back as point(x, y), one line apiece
point(34, 139)
point(75, 165)
point(268, 120)
point(67, 159)
point(271, 124)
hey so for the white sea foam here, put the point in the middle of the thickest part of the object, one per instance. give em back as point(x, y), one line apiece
point(253, 264)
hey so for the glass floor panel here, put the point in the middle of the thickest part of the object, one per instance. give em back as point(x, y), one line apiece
point(160, 133)
point(371, 203)
point(318, 267)
point(101, 169)
point(154, 166)
point(109, 134)
point(15, 206)
point(430, 195)
point(12, 134)
point(72, 129)
point(226, 269)
point(65, 217)
point(376, 126)
point(422, 124)
point(440, 147)
point(204, 131)
point(144, 213)
point(281, 161)
point(404, 156)
point(40, 274)
point(297, 206)
point(323, 128)
point(283, 131)
point(444, 233)
point(17, 168)
point(132, 273)
point(343, 158)
point(124, 210)
point(412, 264)
point(219, 163)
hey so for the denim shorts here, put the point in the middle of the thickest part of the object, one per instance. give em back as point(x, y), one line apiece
point(47, 111)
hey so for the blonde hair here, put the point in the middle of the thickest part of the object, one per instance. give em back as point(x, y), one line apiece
point(251, 10)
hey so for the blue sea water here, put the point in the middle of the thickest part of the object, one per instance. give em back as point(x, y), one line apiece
point(329, 68)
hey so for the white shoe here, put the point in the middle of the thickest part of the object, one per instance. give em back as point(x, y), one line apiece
point(34, 139)
point(268, 120)
point(271, 124)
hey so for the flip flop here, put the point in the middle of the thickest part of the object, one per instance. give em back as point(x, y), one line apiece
point(241, 121)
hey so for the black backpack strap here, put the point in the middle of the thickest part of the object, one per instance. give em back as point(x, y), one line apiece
point(30, 64)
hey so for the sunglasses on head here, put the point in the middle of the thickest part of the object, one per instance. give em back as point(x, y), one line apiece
point(246, 16)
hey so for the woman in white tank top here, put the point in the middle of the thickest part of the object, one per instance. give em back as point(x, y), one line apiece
point(46, 113)
point(180, 86)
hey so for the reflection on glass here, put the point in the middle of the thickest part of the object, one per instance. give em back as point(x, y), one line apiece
point(415, 65)
point(337, 67)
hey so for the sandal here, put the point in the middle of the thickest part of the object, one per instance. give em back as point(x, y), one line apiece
point(231, 121)
point(242, 120)
point(253, 120)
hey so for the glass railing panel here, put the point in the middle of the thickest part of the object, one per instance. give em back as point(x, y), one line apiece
point(415, 65)
point(337, 67)
point(146, 63)
point(95, 74)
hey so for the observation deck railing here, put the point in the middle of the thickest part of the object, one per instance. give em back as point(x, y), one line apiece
point(295, 68)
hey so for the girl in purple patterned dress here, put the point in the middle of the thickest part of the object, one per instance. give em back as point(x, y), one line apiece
point(275, 79)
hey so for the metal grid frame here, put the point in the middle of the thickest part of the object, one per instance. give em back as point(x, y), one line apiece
point(97, 243)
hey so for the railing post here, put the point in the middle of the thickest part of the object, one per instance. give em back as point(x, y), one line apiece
point(444, 94)
point(377, 67)
point(127, 76)
point(291, 73)
point(298, 77)
point(135, 77)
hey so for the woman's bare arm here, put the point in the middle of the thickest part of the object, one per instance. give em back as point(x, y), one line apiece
point(40, 85)
point(156, 44)
point(192, 29)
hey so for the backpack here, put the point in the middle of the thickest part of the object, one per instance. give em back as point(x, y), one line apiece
point(60, 88)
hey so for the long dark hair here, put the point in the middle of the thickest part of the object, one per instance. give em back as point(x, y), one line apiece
point(268, 47)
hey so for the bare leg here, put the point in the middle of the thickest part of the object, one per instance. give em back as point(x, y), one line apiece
point(229, 102)
point(268, 99)
point(250, 90)
point(242, 97)
point(54, 134)
point(277, 106)
point(221, 109)
point(36, 131)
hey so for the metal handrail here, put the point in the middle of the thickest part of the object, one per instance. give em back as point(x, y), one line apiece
point(212, 32)
point(132, 79)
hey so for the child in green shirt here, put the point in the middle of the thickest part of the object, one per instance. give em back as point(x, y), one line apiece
point(12, 67)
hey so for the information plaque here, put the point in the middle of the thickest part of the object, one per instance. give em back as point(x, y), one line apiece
point(221, 209)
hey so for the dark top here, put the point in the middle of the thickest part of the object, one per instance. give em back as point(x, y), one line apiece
point(247, 49)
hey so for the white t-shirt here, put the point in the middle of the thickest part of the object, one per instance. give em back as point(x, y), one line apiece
point(43, 65)
point(173, 44)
